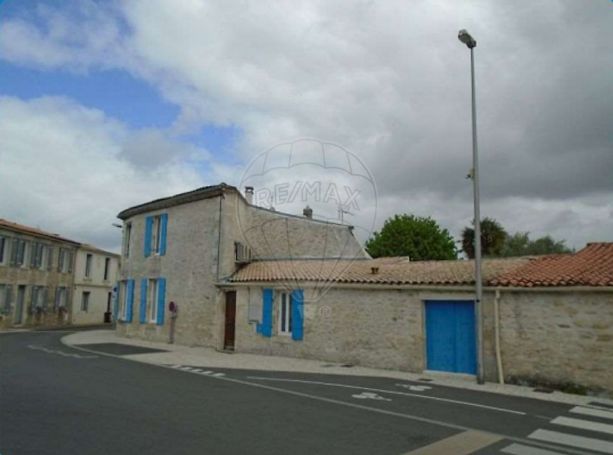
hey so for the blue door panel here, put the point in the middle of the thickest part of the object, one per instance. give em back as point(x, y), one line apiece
point(450, 336)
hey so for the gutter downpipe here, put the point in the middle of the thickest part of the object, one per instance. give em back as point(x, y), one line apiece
point(497, 336)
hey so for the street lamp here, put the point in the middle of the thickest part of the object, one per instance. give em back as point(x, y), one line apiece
point(470, 42)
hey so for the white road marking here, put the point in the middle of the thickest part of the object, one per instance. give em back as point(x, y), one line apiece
point(520, 449)
point(393, 392)
point(217, 375)
point(582, 442)
point(62, 353)
point(463, 443)
point(370, 396)
point(583, 424)
point(592, 412)
point(414, 388)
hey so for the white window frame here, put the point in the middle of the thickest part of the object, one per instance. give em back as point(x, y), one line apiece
point(85, 299)
point(122, 299)
point(21, 253)
point(152, 297)
point(89, 258)
point(156, 235)
point(284, 324)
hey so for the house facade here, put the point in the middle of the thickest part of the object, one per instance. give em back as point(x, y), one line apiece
point(42, 279)
point(180, 248)
point(254, 280)
point(95, 274)
point(36, 276)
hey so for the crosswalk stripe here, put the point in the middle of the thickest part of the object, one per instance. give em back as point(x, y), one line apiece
point(583, 424)
point(206, 372)
point(597, 445)
point(592, 412)
point(462, 443)
point(520, 449)
point(219, 374)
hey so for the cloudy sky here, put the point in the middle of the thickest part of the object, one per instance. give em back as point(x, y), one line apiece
point(104, 105)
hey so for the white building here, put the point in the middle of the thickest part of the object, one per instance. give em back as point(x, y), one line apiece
point(95, 274)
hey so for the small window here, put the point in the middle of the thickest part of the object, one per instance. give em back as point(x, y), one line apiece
point(285, 313)
point(126, 240)
point(152, 293)
point(19, 252)
point(123, 307)
point(242, 253)
point(88, 266)
point(107, 266)
point(2, 248)
point(156, 234)
point(85, 301)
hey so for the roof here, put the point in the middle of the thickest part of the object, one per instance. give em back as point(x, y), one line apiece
point(33, 231)
point(391, 271)
point(88, 247)
point(591, 266)
point(204, 192)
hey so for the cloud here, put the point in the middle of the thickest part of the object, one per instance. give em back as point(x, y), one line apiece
point(387, 81)
point(62, 168)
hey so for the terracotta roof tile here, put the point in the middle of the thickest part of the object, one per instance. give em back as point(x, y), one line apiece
point(390, 271)
point(591, 266)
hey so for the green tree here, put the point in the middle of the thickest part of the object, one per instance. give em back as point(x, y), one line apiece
point(417, 237)
point(493, 237)
point(519, 244)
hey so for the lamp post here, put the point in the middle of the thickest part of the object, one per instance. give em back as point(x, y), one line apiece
point(470, 42)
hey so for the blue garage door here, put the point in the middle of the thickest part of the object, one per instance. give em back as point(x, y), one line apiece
point(450, 336)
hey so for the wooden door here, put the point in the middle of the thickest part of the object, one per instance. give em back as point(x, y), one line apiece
point(230, 320)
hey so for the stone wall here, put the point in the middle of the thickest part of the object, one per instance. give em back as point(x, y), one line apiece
point(546, 337)
point(190, 268)
point(558, 337)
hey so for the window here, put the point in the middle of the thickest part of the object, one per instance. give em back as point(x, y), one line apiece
point(285, 313)
point(85, 301)
point(88, 265)
point(5, 299)
point(155, 235)
point(18, 252)
point(107, 266)
point(2, 248)
point(123, 307)
point(39, 299)
point(38, 255)
point(64, 261)
point(152, 294)
point(61, 298)
point(126, 240)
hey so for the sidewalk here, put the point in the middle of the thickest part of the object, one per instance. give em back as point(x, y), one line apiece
point(210, 358)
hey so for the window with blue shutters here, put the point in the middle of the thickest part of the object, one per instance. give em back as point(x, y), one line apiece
point(156, 231)
point(129, 300)
point(290, 313)
point(161, 297)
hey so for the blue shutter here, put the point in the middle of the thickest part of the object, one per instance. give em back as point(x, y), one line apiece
point(148, 235)
point(297, 314)
point(161, 300)
point(130, 300)
point(143, 301)
point(266, 328)
point(163, 231)
point(116, 302)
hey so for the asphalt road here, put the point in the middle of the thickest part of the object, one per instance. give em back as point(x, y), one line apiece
point(59, 400)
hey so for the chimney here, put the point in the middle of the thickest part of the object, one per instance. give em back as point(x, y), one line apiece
point(249, 194)
point(374, 270)
point(308, 212)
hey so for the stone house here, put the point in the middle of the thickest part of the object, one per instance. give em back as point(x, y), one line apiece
point(254, 280)
point(546, 320)
point(95, 274)
point(37, 277)
point(181, 247)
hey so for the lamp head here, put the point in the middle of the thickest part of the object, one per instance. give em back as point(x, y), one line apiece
point(465, 37)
